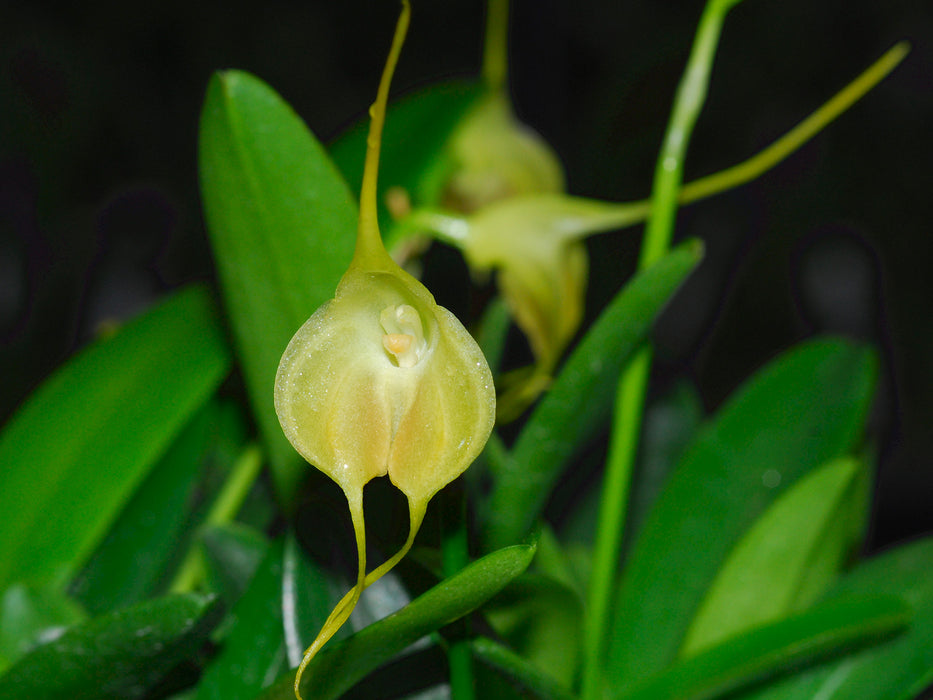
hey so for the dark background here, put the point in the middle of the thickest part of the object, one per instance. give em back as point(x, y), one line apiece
point(99, 210)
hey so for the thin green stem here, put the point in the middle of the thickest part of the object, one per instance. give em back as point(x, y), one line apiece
point(495, 47)
point(224, 509)
point(668, 177)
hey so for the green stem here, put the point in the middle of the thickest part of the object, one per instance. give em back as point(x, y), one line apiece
point(668, 177)
point(495, 47)
point(224, 510)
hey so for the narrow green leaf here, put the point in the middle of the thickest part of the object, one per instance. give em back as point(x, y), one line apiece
point(805, 408)
point(417, 130)
point(530, 681)
point(148, 539)
point(253, 652)
point(762, 578)
point(232, 555)
point(579, 401)
point(282, 225)
point(898, 670)
point(120, 654)
point(308, 596)
point(76, 451)
point(30, 616)
point(338, 667)
point(763, 652)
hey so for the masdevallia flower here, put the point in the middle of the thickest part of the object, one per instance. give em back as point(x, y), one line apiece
point(383, 381)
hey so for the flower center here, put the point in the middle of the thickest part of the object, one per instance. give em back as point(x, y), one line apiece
point(404, 334)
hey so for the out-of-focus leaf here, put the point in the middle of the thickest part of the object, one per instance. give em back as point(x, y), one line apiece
point(119, 654)
point(898, 670)
point(530, 681)
point(30, 616)
point(417, 129)
point(135, 559)
point(232, 553)
point(253, 651)
point(540, 618)
point(763, 576)
point(580, 399)
point(77, 449)
point(282, 225)
point(492, 332)
point(806, 408)
point(763, 652)
point(338, 667)
point(307, 599)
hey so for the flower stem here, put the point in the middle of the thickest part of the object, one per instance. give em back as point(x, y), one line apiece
point(630, 397)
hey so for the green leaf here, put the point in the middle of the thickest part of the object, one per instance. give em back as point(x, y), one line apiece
point(763, 576)
point(76, 451)
point(417, 129)
point(764, 652)
point(232, 555)
point(29, 616)
point(253, 651)
point(804, 409)
point(578, 404)
point(153, 530)
point(530, 681)
point(308, 596)
point(338, 667)
point(540, 619)
point(120, 654)
point(282, 225)
point(898, 670)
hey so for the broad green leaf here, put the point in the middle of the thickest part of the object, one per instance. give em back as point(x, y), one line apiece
point(806, 408)
point(282, 224)
point(898, 670)
point(73, 455)
point(253, 650)
point(578, 403)
point(338, 667)
point(763, 576)
point(540, 619)
point(529, 679)
point(29, 616)
point(232, 555)
point(806, 638)
point(417, 129)
point(120, 654)
point(147, 541)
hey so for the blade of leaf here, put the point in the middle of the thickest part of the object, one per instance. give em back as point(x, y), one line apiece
point(148, 539)
point(764, 573)
point(232, 555)
point(529, 679)
point(898, 670)
point(805, 408)
point(766, 651)
point(116, 655)
point(338, 667)
point(282, 224)
point(416, 132)
point(29, 616)
point(75, 452)
point(578, 403)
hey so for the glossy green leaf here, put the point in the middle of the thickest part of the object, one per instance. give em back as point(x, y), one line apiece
point(763, 652)
point(232, 555)
point(120, 654)
point(148, 539)
point(308, 595)
point(528, 679)
point(578, 403)
point(282, 224)
point(763, 576)
point(897, 670)
point(253, 650)
point(338, 667)
point(804, 409)
point(30, 616)
point(76, 451)
point(540, 619)
point(417, 129)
